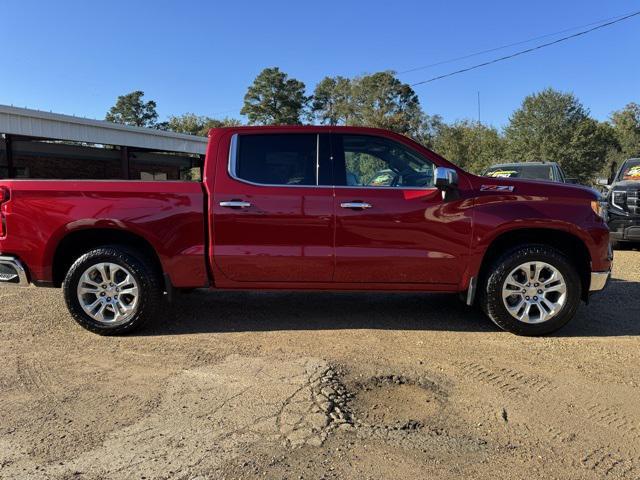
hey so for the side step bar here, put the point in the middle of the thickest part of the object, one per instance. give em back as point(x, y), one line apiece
point(13, 272)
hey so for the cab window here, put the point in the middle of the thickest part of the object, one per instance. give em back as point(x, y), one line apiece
point(280, 159)
point(369, 161)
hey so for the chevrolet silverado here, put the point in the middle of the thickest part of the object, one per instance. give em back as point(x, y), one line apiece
point(308, 208)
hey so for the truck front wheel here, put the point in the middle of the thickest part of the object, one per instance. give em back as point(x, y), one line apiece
point(531, 290)
point(112, 290)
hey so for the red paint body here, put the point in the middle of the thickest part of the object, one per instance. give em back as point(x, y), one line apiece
point(298, 238)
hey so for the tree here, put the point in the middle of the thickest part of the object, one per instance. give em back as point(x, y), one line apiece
point(470, 145)
point(275, 99)
point(193, 124)
point(377, 100)
point(333, 101)
point(430, 128)
point(381, 100)
point(130, 109)
point(626, 125)
point(554, 126)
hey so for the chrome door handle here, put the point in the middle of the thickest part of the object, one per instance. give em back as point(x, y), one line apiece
point(235, 204)
point(356, 205)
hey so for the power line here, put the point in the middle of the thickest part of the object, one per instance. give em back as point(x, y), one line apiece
point(502, 47)
point(528, 50)
point(609, 21)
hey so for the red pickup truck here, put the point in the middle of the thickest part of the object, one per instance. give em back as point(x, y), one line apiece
point(313, 208)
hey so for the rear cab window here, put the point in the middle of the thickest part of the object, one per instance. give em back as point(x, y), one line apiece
point(281, 159)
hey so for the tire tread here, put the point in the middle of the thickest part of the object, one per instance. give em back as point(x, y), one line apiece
point(141, 266)
point(491, 293)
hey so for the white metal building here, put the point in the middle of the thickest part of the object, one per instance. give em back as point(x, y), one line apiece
point(36, 144)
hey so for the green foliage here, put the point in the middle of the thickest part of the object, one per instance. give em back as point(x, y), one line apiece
point(130, 109)
point(275, 99)
point(430, 129)
point(333, 101)
point(363, 166)
point(549, 125)
point(624, 128)
point(377, 100)
point(193, 124)
point(626, 125)
point(554, 126)
point(470, 145)
point(381, 100)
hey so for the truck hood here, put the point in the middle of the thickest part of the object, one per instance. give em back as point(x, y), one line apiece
point(626, 185)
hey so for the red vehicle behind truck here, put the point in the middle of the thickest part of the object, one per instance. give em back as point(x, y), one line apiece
point(308, 208)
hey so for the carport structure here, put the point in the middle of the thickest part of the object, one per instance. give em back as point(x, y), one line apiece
point(36, 144)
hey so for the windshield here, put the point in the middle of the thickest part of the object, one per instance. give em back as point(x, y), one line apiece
point(536, 172)
point(630, 171)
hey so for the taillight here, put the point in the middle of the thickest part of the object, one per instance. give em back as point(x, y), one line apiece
point(5, 195)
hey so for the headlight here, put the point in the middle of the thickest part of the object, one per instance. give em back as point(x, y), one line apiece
point(599, 207)
point(619, 199)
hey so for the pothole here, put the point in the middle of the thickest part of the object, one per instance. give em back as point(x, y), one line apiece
point(396, 402)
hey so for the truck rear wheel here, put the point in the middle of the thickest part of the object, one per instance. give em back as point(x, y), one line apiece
point(112, 290)
point(531, 290)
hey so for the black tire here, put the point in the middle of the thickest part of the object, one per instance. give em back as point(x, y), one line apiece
point(150, 290)
point(491, 293)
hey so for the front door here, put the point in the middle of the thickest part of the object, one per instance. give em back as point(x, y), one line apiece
point(392, 224)
point(273, 209)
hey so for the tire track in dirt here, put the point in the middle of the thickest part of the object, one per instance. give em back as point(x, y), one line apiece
point(35, 376)
point(609, 418)
point(606, 462)
point(530, 393)
point(508, 380)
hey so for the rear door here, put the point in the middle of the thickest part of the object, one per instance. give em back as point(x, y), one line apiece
point(392, 224)
point(273, 209)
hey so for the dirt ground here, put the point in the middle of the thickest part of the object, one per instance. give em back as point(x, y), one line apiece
point(319, 385)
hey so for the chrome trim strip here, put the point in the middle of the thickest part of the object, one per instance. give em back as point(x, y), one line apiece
point(471, 291)
point(233, 152)
point(613, 197)
point(21, 272)
point(235, 204)
point(356, 205)
point(599, 280)
point(381, 187)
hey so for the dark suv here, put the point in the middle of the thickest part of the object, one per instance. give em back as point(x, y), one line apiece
point(623, 206)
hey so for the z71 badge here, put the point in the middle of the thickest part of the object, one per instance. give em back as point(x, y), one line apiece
point(496, 188)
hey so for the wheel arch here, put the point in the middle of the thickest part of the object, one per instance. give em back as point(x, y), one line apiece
point(566, 242)
point(77, 242)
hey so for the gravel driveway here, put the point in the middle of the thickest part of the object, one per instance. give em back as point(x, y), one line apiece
point(321, 385)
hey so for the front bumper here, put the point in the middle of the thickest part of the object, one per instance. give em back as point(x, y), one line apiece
point(623, 228)
point(13, 272)
point(599, 281)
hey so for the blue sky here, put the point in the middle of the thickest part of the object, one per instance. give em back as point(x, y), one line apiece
point(76, 57)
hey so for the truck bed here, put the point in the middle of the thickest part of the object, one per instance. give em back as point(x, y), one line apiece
point(42, 215)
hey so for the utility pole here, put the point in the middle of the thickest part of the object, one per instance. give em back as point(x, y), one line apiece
point(478, 107)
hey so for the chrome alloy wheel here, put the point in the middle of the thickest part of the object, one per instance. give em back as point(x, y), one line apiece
point(108, 293)
point(534, 292)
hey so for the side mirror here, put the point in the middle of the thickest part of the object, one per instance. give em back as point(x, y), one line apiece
point(602, 182)
point(446, 178)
